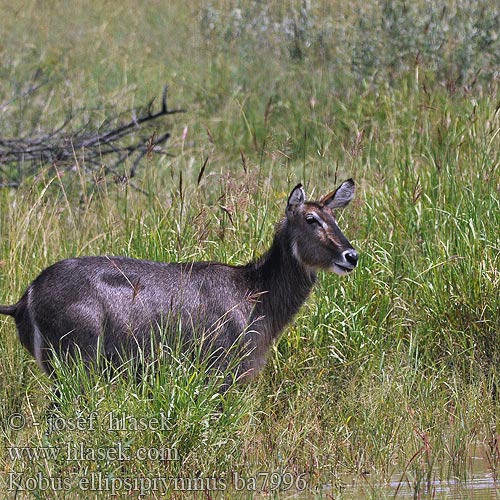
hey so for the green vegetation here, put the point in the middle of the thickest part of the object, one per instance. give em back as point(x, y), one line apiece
point(391, 372)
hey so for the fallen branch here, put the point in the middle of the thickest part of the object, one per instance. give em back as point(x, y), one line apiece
point(64, 149)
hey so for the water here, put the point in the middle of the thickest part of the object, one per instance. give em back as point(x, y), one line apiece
point(478, 488)
point(481, 484)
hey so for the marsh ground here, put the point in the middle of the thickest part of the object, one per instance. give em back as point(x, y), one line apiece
point(390, 371)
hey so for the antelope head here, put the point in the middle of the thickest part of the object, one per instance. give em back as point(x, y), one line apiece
point(316, 239)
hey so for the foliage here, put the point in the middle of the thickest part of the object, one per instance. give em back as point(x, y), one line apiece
point(389, 373)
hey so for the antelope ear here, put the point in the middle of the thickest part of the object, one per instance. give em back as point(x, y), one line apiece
point(296, 199)
point(341, 196)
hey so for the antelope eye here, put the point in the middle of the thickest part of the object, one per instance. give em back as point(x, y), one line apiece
point(310, 219)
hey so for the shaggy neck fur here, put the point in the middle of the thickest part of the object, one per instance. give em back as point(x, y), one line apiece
point(282, 282)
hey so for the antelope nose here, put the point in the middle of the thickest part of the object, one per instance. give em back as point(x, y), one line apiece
point(351, 256)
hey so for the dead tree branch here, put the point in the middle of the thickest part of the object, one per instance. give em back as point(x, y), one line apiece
point(105, 149)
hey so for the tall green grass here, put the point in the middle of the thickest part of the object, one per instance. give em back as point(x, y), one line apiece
point(391, 372)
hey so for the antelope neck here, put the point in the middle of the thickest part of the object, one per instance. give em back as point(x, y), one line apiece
point(283, 282)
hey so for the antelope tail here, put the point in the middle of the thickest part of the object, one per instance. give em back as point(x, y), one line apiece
point(8, 310)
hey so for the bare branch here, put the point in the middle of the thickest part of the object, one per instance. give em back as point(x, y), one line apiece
point(63, 147)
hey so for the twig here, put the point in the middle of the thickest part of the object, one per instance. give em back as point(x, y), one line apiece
point(61, 147)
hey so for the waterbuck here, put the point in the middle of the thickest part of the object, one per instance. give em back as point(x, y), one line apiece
point(115, 306)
